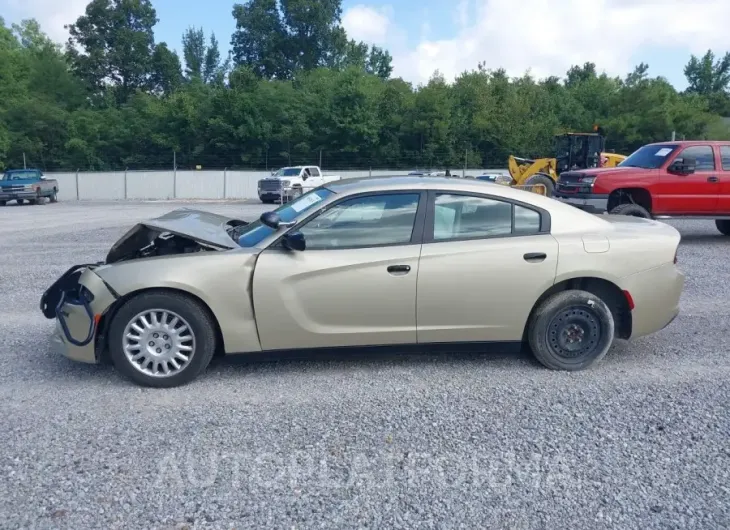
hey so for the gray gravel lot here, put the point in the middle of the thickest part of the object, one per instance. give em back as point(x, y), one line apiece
point(640, 441)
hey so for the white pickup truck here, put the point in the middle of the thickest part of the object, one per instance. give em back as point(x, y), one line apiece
point(290, 182)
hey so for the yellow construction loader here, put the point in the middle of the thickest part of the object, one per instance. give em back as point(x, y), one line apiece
point(573, 151)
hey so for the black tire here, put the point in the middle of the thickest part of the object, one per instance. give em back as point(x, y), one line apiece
point(629, 208)
point(545, 180)
point(571, 315)
point(54, 196)
point(3, 203)
point(723, 225)
point(192, 311)
point(20, 201)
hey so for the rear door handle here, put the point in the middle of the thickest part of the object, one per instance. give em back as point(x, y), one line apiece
point(713, 178)
point(402, 269)
point(535, 257)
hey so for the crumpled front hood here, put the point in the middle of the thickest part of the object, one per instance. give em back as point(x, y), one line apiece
point(206, 228)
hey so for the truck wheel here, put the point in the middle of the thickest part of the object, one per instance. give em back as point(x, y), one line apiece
point(296, 193)
point(723, 225)
point(162, 339)
point(629, 208)
point(571, 330)
point(3, 203)
point(20, 201)
point(54, 195)
point(544, 180)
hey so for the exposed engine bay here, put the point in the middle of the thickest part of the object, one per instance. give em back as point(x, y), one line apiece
point(181, 231)
point(148, 243)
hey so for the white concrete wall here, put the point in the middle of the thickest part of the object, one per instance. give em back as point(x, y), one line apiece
point(223, 184)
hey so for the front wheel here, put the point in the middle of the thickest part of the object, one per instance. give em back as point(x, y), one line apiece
point(632, 209)
point(162, 339)
point(723, 225)
point(541, 180)
point(571, 330)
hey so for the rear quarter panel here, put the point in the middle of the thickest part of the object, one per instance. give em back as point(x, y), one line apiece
point(635, 254)
point(222, 280)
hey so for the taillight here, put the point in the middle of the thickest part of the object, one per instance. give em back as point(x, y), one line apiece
point(629, 300)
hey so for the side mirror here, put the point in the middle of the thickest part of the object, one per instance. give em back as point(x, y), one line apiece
point(271, 219)
point(294, 241)
point(683, 166)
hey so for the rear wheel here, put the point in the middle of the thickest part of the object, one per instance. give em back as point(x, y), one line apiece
point(162, 339)
point(571, 330)
point(20, 201)
point(54, 196)
point(3, 203)
point(543, 179)
point(723, 225)
point(632, 209)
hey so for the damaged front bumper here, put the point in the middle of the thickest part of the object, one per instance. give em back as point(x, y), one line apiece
point(77, 300)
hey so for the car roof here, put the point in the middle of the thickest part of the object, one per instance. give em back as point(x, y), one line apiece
point(692, 142)
point(453, 183)
point(565, 217)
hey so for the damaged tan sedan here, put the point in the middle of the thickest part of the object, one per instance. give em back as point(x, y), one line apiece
point(399, 262)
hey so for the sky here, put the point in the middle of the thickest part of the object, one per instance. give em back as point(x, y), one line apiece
point(544, 37)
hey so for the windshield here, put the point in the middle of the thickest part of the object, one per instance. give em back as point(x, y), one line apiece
point(288, 172)
point(252, 234)
point(649, 156)
point(20, 174)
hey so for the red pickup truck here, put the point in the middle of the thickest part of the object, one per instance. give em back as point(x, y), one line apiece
point(660, 181)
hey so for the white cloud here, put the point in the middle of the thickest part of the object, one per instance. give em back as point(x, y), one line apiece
point(52, 15)
point(547, 37)
point(364, 23)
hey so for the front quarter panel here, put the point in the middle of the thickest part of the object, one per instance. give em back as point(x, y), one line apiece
point(222, 280)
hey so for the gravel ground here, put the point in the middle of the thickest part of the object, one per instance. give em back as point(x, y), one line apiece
point(640, 441)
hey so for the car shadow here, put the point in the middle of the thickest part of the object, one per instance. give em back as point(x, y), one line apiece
point(52, 367)
point(702, 239)
point(373, 359)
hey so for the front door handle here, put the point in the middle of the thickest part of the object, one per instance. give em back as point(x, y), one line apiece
point(713, 178)
point(535, 257)
point(399, 269)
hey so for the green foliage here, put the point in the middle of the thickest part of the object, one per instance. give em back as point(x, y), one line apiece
point(296, 89)
point(278, 39)
point(710, 78)
point(117, 45)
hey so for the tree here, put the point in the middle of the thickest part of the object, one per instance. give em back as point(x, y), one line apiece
point(193, 42)
point(261, 41)
point(707, 76)
point(278, 39)
point(710, 79)
point(30, 35)
point(166, 74)
point(117, 45)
